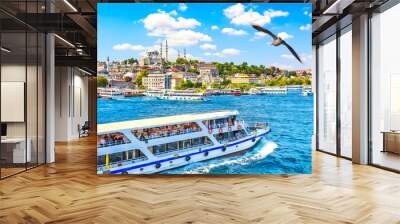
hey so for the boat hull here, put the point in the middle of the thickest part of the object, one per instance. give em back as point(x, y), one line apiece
point(180, 159)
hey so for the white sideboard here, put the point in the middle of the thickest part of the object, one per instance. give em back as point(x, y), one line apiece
point(19, 154)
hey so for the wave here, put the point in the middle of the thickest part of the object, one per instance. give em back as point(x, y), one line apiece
point(262, 152)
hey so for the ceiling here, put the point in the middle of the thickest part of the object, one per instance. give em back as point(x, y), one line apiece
point(73, 21)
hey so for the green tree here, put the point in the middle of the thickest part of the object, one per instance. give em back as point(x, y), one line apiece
point(181, 61)
point(139, 77)
point(292, 73)
point(101, 81)
point(193, 70)
point(132, 60)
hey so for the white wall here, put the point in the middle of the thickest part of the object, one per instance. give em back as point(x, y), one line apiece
point(71, 102)
point(14, 73)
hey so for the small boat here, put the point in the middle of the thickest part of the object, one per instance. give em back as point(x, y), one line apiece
point(110, 93)
point(182, 96)
point(236, 92)
point(153, 93)
point(307, 91)
point(275, 90)
point(157, 144)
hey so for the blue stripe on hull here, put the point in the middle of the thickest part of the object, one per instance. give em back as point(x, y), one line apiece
point(183, 156)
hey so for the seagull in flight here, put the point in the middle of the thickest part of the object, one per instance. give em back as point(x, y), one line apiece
point(278, 41)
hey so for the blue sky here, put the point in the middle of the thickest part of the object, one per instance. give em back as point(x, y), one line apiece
point(209, 32)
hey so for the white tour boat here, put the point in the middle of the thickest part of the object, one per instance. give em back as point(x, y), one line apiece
point(157, 144)
point(307, 91)
point(110, 93)
point(182, 96)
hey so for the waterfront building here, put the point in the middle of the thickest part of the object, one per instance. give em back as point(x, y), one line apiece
point(240, 78)
point(153, 81)
point(157, 81)
point(208, 73)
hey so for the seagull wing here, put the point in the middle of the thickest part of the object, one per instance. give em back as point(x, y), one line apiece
point(292, 50)
point(259, 28)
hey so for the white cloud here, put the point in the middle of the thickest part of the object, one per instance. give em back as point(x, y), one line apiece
point(234, 10)
point(126, 46)
point(189, 56)
point(260, 34)
point(305, 27)
point(173, 13)
point(304, 57)
point(186, 38)
point(287, 56)
point(225, 52)
point(162, 23)
point(176, 30)
point(278, 13)
point(182, 7)
point(282, 66)
point(230, 51)
point(284, 35)
point(239, 16)
point(233, 32)
point(208, 47)
point(214, 27)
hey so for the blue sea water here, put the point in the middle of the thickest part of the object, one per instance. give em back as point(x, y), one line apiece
point(285, 150)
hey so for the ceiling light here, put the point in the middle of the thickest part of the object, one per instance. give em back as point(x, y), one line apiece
point(70, 5)
point(64, 40)
point(5, 50)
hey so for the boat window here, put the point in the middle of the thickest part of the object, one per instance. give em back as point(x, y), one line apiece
point(230, 136)
point(123, 156)
point(221, 122)
point(165, 131)
point(180, 145)
point(112, 139)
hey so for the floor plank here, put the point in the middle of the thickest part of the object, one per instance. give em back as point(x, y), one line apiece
point(69, 191)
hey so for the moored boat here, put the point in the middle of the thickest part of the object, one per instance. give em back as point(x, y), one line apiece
point(110, 93)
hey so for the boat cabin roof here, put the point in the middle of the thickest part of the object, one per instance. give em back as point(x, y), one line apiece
point(163, 121)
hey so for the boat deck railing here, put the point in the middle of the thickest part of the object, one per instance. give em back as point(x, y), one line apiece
point(226, 124)
point(164, 134)
point(257, 125)
point(111, 142)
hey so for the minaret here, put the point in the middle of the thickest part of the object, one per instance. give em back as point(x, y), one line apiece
point(166, 50)
point(108, 63)
point(161, 51)
point(179, 54)
point(184, 53)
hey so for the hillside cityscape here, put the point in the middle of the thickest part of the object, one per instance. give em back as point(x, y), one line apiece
point(154, 72)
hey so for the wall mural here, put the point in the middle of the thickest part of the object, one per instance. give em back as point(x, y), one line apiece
point(213, 88)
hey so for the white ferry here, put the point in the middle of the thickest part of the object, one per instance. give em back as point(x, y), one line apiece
point(182, 96)
point(156, 144)
point(153, 93)
point(307, 91)
point(110, 93)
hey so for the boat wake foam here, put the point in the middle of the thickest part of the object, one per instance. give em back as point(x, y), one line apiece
point(263, 151)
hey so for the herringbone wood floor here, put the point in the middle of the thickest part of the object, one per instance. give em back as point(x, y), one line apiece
point(70, 192)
